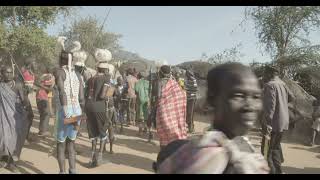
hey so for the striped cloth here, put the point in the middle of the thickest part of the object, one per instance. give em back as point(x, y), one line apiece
point(171, 113)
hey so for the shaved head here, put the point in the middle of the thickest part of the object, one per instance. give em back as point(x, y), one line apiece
point(217, 76)
point(234, 92)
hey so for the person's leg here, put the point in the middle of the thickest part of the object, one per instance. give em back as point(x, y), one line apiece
point(314, 133)
point(99, 157)
point(30, 117)
point(193, 103)
point(11, 165)
point(134, 110)
point(61, 157)
point(278, 156)
point(145, 111)
point(44, 117)
point(121, 119)
point(93, 152)
point(129, 111)
point(271, 153)
point(189, 111)
point(111, 138)
point(72, 156)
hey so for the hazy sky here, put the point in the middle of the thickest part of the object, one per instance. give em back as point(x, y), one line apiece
point(178, 33)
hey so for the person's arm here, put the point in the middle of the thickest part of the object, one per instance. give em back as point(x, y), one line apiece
point(60, 77)
point(291, 96)
point(106, 86)
point(81, 92)
point(24, 99)
point(269, 103)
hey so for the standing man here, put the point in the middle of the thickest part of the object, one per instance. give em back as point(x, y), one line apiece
point(142, 92)
point(276, 114)
point(316, 120)
point(131, 80)
point(170, 107)
point(68, 117)
point(80, 68)
point(121, 101)
point(14, 125)
point(44, 100)
point(29, 79)
point(191, 89)
point(97, 121)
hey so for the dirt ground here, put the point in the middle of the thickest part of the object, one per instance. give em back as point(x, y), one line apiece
point(134, 155)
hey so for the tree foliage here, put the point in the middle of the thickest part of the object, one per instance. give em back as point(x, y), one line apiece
point(228, 55)
point(22, 31)
point(89, 32)
point(39, 16)
point(283, 28)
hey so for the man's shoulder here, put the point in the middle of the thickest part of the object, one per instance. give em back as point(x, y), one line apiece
point(273, 83)
point(58, 71)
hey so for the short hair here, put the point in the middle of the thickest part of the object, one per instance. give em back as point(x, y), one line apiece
point(271, 69)
point(130, 71)
point(165, 69)
point(169, 150)
point(218, 74)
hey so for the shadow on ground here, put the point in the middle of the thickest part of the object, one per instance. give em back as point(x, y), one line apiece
point(306, 170)
point(138, 145)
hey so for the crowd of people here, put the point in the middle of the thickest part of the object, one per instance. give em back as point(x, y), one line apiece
point(164, 100)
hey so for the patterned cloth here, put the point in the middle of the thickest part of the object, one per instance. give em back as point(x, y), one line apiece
point(71, 88)
point(46, 80)
point(171, 113)
point(214, 153)
point(13, 122)
point(28, 77)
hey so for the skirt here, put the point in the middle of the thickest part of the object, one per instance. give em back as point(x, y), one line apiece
point(63, 131)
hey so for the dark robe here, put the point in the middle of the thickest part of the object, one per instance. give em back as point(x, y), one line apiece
point(13, 121)
point(95, 108)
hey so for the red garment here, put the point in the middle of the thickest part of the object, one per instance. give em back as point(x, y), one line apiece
point(46, 80)
point(27, 75)
point(42, 95)
point(171, 113)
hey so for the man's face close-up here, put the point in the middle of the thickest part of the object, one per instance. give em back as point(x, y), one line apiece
point(8, 74)
point(239, 103)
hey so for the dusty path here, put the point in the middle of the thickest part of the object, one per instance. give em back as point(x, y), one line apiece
point(134, 155)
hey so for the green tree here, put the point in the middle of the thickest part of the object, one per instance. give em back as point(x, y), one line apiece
point(228, 55)
point(284, 30)
point(40, 16)
point(91, 35)
point(22, 31)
